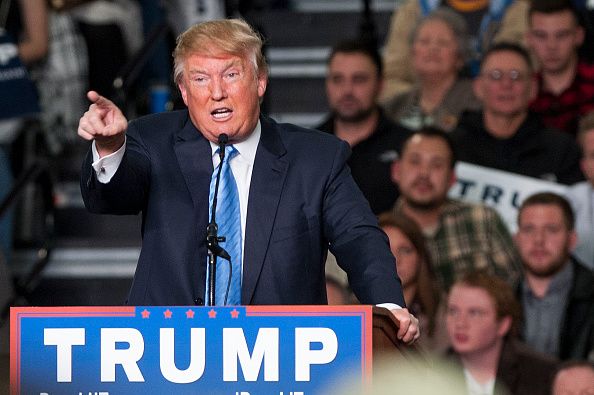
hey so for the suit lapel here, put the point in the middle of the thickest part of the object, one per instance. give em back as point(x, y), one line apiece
point(268, 178)
point(194, 156)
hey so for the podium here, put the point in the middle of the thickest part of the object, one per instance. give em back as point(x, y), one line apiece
point(237, 350)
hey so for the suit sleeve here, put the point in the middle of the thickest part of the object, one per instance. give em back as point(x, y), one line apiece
point(127, 191)
point(360, 246)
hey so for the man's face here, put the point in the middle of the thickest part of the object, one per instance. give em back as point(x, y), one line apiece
point(543, 239)
point(506, 85)
point(578, 380)
point(222, 94)
point(352, 86)
point(587, 163)
point(471, 321)
point(423, 172)
point(554, 39)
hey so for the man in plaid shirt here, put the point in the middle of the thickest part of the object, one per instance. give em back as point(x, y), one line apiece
point(460, 236)
point(565, 82)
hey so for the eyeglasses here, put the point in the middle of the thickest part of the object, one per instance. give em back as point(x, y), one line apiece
point(498, 75)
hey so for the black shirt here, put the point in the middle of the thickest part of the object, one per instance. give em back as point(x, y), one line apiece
point(371, 161)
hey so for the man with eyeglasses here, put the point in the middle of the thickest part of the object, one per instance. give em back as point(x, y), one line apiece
point(505, 135)
point(565, 81)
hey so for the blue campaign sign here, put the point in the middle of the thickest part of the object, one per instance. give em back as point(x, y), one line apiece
point(281, 350)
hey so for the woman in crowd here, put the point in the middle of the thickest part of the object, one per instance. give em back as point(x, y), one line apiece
point(421, 292)
point(439, 49)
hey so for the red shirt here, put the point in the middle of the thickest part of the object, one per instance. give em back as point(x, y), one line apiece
point(563, 111)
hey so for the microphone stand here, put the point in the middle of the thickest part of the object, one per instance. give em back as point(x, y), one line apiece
point(212, 237)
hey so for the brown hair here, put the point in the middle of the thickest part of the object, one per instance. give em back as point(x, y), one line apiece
point(225, 36)
point(550, 199)
point(504, 299)
point(428, 293)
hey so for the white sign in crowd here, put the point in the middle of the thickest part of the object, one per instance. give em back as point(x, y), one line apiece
point(501, 190)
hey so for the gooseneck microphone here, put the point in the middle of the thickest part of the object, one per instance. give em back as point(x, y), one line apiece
point(212, 237)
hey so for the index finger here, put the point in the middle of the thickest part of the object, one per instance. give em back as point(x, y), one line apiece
point(99, 100)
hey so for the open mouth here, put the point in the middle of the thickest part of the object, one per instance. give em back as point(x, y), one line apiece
point(221, 113)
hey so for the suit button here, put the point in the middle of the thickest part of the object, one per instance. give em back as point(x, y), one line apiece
point(199, 302)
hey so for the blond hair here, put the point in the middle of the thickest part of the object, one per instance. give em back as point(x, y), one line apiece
point(224, 36)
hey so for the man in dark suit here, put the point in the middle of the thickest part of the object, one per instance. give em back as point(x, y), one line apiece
point(296, 194)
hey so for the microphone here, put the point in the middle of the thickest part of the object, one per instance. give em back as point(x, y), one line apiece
point(212, 238)
point(212, 228)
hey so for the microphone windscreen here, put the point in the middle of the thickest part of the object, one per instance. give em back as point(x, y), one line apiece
point(223, 138)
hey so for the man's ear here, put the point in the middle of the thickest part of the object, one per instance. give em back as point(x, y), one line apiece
point(477, 87)
point(262, 84)
point(395, 171)
point(453, 178)
point(184, 93)
point(504, 326)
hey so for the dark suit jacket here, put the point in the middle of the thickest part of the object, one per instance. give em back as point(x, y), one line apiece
point(302, 200)
point(520, 371)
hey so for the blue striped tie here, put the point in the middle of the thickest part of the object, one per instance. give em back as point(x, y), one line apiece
point(228, 218)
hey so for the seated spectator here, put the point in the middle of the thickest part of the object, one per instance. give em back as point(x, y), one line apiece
point(487, 21)
point(566, 80)
point(581, 195)
point(459, 236)
point(421, 292)
point(353, 83)
point(505, 135)
point(574, 378)
point(439, 48)
point(482, 318)
point(557, 293)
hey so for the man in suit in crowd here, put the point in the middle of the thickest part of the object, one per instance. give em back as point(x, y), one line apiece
point(557, 293)
point(296, 195)
point(353, 84)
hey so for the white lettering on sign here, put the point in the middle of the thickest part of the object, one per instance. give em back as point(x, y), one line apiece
point(64, 339)
point(197, 356)
point(305, 356)
point(128, 358)
point(265, 350)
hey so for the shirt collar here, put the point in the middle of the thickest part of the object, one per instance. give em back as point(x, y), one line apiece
point(560, 283)
point(247, 148)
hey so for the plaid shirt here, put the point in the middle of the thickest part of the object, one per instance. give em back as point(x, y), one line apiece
point(470, 236)
point(563, 111)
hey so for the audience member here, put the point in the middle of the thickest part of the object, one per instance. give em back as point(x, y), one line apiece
point(565, 81)
point(353, 84)
point(487, 21)
point(557, 293)
point(574, 378)
point(420, 288)
point(482, 318)
point(505, 135)
point(438, 52)
point(459, 236)
point(581, 195)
